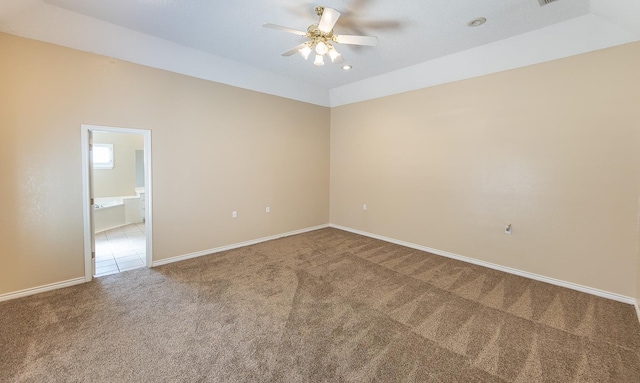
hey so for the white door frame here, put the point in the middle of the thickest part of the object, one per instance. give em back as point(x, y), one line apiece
point(86, 207)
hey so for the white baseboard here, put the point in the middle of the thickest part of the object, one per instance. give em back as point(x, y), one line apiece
point(76, 281)
point(541, 278)
point(234, 246)
point(553, 281)
point(41, 289)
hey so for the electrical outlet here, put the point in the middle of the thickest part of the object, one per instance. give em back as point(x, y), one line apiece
point(364, 206)
point(507, 229)
point(268, 209)
point(234, 214)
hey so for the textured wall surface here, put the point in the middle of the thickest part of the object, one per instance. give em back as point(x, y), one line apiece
point(552, 149)
point(215, 149)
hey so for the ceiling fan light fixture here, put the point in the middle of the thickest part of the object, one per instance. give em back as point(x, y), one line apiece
point(322, 48)
point(321, 38)
point(305, 51)
point(334, 54)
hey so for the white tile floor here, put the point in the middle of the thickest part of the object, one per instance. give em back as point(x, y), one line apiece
point(120, 249)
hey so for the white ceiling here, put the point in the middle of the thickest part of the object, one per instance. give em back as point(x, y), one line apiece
point(421, 43)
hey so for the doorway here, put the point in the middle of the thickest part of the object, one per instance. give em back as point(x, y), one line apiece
point(116, 199)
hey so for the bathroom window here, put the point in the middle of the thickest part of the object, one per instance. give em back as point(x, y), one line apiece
point(103, 156)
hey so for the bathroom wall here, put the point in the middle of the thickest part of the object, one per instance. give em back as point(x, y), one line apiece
point(215, 148)
point(119, 181)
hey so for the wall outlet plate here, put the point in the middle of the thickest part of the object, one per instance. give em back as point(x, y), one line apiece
point(507, 229)
point(234, 214)
point(268, 209)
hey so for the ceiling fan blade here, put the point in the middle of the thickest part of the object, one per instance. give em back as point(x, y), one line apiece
point(285, 29)
point(294, 50)
point(357, 40)
point(328, 20)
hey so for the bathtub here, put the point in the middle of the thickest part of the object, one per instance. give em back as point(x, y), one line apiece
point(104, 202)
point(112, 212)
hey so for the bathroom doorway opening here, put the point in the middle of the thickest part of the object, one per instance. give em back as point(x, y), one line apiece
point(117, 199)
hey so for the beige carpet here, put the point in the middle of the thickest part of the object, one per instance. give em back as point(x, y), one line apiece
point(325, 306)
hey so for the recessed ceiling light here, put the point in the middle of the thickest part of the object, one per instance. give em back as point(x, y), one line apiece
point(477, 22)
point(347, 67)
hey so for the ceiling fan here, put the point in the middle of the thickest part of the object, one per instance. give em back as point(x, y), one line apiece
point(322, 38)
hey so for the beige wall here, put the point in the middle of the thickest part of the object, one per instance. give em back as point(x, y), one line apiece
point(552, 149)
point(215, 149)
point(638, 272)
point(119, 181)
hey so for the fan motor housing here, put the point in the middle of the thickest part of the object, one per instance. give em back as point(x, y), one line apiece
point(317, 35)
